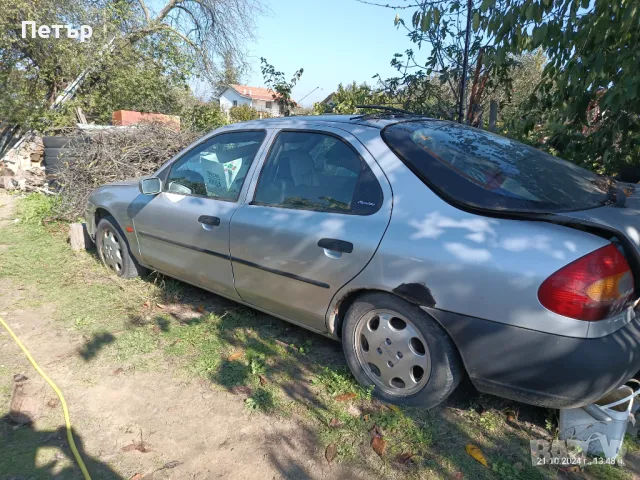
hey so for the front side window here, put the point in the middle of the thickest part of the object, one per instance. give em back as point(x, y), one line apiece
point(319, 172)
point(268, 105)
point(217, 168)
point(484, 170)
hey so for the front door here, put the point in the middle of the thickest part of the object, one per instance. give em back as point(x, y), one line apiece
point(320, 209)
point(184, 230)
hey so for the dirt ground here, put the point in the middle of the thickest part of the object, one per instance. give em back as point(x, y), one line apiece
point(144, 415)
point(190, 430)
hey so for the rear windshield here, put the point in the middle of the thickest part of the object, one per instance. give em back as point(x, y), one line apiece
point(480, 169)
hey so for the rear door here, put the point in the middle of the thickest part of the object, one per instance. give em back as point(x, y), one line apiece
point(314, 220)
point(184, 230)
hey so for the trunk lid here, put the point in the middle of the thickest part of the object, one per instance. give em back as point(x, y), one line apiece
point(624, 220)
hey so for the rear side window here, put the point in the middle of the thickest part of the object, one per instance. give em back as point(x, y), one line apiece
point(480, 169)
point(318, 172)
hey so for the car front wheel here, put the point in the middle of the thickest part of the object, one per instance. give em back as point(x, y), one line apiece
point(400, 350)
point(113, 250)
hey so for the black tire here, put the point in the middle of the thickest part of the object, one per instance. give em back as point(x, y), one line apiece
point(60, 152)
point(129, 267)
point(58, 142)
point(446, 370)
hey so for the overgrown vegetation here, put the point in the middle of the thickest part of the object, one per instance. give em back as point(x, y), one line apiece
point(583, 100)
point(272, 367)
point(139, 57)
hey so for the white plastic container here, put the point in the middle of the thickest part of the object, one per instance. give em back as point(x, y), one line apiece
point(605, 420)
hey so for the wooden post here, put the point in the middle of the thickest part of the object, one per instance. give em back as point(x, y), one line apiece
point(493, 115)
point(79, 237)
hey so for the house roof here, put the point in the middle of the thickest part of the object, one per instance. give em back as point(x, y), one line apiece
point(255, 93)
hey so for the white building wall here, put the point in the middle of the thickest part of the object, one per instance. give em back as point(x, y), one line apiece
point(261, 106)
point(229, 96)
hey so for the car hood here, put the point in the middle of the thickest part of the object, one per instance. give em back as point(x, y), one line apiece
point(124, 183)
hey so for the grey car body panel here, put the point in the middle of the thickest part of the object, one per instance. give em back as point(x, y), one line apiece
point(116, 199)
point(470, 264)
point(266, 239)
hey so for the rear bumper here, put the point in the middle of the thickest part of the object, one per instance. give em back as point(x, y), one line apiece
point(540, 368)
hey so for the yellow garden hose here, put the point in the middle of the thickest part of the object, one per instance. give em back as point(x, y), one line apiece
point(67, 420)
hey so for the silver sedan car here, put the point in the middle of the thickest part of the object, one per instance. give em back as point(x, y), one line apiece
point(431, 250)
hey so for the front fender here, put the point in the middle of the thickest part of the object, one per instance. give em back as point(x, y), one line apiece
point(116, 200)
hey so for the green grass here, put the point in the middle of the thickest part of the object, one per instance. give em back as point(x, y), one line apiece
point(281, 369)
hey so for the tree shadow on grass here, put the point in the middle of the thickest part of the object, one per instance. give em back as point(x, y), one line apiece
point(91, 348)
point(20, 444)
point(277, 368)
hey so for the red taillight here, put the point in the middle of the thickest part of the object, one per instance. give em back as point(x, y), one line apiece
point(596, 286)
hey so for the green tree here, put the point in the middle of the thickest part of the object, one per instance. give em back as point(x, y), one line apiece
point(461, 69)
point(205, 117)
point(243, 113)
point(345, 99)
point(34, 71)
point(588, 100)
point(282, 88)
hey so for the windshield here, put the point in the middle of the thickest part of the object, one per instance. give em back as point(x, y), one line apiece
point(480, 169)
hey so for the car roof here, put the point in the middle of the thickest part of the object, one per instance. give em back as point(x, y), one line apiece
point(374, 121)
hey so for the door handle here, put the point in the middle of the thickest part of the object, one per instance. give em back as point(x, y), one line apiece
point(336, 245)
point(207, 220)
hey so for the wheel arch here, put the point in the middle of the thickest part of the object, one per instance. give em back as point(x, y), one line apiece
point(336, 316)
point(100, 213)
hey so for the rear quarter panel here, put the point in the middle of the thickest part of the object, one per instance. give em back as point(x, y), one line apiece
point(441, 257)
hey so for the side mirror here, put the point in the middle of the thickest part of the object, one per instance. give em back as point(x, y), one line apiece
point(150, 186)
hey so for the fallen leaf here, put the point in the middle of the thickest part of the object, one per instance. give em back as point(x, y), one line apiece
point(137, 476)
point(335, 423)
point(457, 476)
point(170, 465)
point(160, 306)
point(346, 396)
point(404, 457)
point(235, 355)
point(146, 304)
point(139, 446)
point(571, 469)
point(331, 452)
point(200, 308)
point(118, 371)
point(241, 390)
point(375, 431)
point(476, 454)
point(282, 344)
point(378, 444)
point(53, 403)
point(394, 408)
point(263, 380)
point(367, 417)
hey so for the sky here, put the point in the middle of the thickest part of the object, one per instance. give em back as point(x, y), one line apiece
point(333, 40)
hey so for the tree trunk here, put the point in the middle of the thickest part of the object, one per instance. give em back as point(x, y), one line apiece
point(493, 115)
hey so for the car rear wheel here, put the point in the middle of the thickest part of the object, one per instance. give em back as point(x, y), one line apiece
point(113, 250)
point(400, 350)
